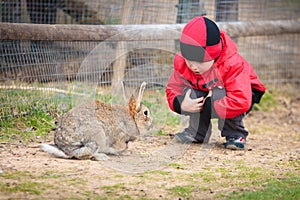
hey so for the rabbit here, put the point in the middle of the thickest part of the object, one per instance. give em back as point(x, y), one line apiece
point(95, 130)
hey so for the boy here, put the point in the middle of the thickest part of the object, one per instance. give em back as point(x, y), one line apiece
point(211, 80)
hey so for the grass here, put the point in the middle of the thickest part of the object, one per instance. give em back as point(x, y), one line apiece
point(156, 102)
point(182, 191)
point(29, 114)
point(21, 182)
point(112, 188)
point(24, 183)
point(26, 187)
point(284, 189)
point(26, 127)
point(267, 102)
point(186, 185)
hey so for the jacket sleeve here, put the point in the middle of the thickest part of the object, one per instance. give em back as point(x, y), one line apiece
point(238, 97)
point(174, 92)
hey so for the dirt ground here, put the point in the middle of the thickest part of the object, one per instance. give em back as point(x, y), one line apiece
point(158, 165)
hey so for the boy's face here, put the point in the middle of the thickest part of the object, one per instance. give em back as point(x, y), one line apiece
point(199, 68)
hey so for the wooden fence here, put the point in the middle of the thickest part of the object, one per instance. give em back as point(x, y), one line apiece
point(58, 32)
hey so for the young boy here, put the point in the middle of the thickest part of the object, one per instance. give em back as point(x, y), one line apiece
point(211, 80)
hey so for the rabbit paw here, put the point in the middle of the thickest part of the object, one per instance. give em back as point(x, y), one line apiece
point(100, 157)
point(125, 153)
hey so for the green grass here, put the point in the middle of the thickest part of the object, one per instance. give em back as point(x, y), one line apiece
point(28, 183)
point(267, 102)
point(283, 189)
point(160, 112)
point(111, 188)
point(176, 165)
point(25, 182)
point(26, 187)
point(117, 191)
point(182, 191)
point(28, 114)
point(26, 127)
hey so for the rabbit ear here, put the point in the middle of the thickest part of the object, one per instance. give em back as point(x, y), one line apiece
point(123, 90)
point(127, 91)
point(140, 95)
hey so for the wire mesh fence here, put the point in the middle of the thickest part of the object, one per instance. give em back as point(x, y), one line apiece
point(37, 73)
point(143, 12)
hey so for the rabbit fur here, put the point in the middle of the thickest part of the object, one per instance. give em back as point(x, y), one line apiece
point(94, 130)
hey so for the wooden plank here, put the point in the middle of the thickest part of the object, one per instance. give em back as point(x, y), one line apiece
point(59, 32)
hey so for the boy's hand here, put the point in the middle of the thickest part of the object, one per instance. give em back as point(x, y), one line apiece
point(192, 105)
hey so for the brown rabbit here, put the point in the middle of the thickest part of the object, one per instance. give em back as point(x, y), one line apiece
point(93, 130)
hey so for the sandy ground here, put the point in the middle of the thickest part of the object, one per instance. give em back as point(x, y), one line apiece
point(158, 163)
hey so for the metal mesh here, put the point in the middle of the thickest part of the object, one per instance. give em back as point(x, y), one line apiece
point(37, 73)
point(275, 58)
point(143, 12)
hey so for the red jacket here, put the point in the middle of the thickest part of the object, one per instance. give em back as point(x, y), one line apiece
point(230, 71)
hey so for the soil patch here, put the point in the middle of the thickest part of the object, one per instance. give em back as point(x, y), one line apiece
point(160, 168)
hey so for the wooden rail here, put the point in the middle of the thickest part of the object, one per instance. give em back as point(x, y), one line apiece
point(59, 32)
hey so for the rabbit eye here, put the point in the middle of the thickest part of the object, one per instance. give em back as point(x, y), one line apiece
point(146, 112)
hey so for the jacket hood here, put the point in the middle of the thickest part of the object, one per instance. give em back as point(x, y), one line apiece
point(229, 48)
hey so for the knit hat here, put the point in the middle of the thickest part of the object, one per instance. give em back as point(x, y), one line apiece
point(200, 40)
